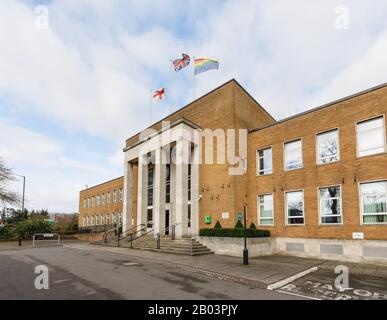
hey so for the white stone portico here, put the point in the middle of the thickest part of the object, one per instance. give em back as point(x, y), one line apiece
point(175, 147)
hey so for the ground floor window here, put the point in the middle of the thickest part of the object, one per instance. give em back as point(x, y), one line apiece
point(120, 218)
point(96, 220)
point(83, 221)
point(92, 220)
point(330, 205)
point(102, 219)
point(373, 198)
point(189, 215)
point(108, 219)
point(88, 221)
point(295, 214)
point(265, 210)
point(114, 218)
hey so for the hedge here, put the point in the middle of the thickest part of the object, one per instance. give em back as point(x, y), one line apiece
point(238, 233)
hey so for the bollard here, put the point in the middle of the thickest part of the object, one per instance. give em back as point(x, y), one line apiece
point(19, 242)
point(158, 241)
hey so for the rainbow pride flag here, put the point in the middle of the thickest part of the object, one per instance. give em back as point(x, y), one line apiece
point(202, 65)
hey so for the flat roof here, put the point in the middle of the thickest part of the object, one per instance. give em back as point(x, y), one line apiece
point(329, 104)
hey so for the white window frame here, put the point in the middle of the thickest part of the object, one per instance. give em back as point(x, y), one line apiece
point(102, 219)
point(384, 135)
point(97, 200)
point(259, 211)
point(120, 195)
point(108, 198)
point(361, 205)
point(84, 203)
point(88, 221)
point(320, 216)
point(108, 221)
point(286, 208)
point(92, 202)
point(318, 147)
point(96, 220)
point(103, 199)
point(284, 154)
point(114, 196)
point(88, 202)
point(257, 157)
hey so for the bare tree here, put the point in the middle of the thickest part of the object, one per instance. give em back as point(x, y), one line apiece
point(6, 176)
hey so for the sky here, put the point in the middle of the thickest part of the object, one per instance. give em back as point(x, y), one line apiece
point(76, 75)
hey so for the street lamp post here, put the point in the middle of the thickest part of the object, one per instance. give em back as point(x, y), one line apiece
point(23, 197)
point(245, 250)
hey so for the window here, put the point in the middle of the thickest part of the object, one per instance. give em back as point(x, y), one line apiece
point(92, 220)
point(84, 203)
point(108, 198)
point(120, 196)
point(293, 155)
point(88, 220)
point(328, 147)
point(330, 205)
point(84, 221)
point(103, 199)
point(120, 218)
point(108, 219)
point(265, 210)
point(102, 219)
point(373, 198)
point(93, 202)
point(114, 196)
point(295, 214)
point(98, 198)
point(88, 202)
point(96, 220)
point(370, 137)
point(168, 183)
point(264, 162)
point(113, 218)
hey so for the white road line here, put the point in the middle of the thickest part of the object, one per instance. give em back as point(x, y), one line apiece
point(298, 295)
point(284, 282)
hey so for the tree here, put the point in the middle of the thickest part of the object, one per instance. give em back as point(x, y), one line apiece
point(6, 176)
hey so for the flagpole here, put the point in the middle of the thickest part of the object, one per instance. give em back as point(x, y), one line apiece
point(170, 88)
point(193, 79)
point(150, 109)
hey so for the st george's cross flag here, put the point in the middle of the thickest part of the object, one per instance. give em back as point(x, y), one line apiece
point(179, 64)
point(159, 94)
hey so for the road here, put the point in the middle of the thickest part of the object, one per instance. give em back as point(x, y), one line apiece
point(96, 274)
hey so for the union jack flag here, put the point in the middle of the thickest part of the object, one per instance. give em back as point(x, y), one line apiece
point(179, 64)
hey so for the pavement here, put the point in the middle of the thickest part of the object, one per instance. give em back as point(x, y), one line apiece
point(112, 273)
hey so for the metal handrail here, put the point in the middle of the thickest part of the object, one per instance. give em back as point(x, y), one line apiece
point(131, 228)
point(158, 238)
point(105, 234)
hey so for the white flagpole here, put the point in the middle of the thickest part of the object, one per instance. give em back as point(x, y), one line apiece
point(150, 109)
point(193, 79)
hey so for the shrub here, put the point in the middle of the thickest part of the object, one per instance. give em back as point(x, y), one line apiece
point(252, 226)
point(239, 225)
point(7, 232)
point(236, 232)
point(217, 225)
point(27, 228)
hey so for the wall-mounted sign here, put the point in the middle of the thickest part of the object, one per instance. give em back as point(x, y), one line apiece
point(358, 235)
point(225, 215)
point(207, 219)
point(239, 217)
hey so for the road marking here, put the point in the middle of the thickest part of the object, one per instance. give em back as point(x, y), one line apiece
point(298, 295)
point(130, 264)
point(286, 281)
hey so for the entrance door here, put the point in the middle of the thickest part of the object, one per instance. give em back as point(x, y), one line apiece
point(166, 221)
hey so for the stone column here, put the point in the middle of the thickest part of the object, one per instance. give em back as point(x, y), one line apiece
point(159, 192)
point(181, 178)
point(142, 190)
point(127, 201)
point(195, 191)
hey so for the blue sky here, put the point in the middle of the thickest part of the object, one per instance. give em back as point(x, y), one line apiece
point(72, 93)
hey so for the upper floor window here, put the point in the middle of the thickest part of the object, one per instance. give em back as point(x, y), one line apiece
point(114, 196)
point(370, 137)
point(92, 201)
point(265, 210)
point(103, 199)
point(330, 205)
point(295, 214)
point(108, 198)
point(264, 162)
point(120, 196)
point(84, 203)
point(88, 202)
point(328, 147)
point(293, 155)
point(373, 198)
point(98, 200)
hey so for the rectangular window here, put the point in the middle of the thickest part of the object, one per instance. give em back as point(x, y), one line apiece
point(114, 218)
point(295, 214)
point(120, 218)
point(168, 184)
point(102, 219)
point(108, 198)
point(88, 202)
point(264, 162)
point(92, 220)
point(149, 217)
point(88, 221)
point(330, 205)
point(265, 210)
point(293, 155)
point(103, 199)
point(370, 137)
point(108, 219)
point(93, 202)
point(120, 196)
point(84, 203)
point(98, 200)
point(328, 147)
point(114, 196)
point(373, 198)
point(96, 220)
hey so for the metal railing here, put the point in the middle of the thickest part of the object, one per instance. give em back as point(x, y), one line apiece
point(158, 237)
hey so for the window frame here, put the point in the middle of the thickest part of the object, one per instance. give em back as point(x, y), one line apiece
point(259, 211)
point(384, 135)
point(338, 146)
point(361, 204)
point(319, 206)
point(286, 208)
point(257, 165)
point(284, 154)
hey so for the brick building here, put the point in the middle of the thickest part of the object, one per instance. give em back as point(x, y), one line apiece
point(319, 175)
